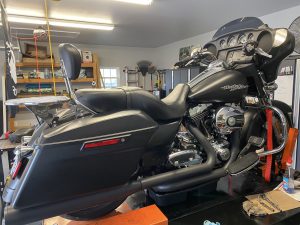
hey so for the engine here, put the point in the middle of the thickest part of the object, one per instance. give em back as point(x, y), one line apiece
point(185, 151)
point(217, 123)
point(228, 119)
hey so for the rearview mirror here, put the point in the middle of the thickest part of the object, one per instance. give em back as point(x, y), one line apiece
point(195, 52)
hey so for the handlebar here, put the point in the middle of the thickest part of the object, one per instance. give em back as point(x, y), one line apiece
point(250, 48)
point(183, 61)
point(196, 58)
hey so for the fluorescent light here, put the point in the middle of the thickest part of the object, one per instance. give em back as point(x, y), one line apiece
point(24, 12)
point(140, 2)
point(68, 17)
point(28, 20)
point(76, 24)
point(59, 22)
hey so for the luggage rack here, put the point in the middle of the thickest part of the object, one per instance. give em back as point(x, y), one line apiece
point(43, 107)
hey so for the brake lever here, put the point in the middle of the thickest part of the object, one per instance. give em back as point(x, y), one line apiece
point(261, 52)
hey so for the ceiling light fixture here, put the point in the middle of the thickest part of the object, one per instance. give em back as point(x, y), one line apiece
point(59, 22)
point(83, 25)
point(139, 2)
point(24, 12)
point(68, 17)
point(26, 19)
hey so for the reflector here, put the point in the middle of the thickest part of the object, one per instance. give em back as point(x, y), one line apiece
point(101, 143)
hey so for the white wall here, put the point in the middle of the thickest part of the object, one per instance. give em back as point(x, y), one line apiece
point(111, 56)
point(116, 56)
point(167, 55)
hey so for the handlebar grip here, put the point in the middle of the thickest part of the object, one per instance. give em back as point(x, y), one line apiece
point(184, 61)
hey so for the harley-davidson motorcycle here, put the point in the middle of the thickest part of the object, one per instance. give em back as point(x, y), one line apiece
point(95, 148)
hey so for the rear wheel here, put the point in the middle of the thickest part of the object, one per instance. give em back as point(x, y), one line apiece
point(94, 212)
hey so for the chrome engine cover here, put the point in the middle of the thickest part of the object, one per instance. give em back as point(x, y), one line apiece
point(185, 153)
point(222, 149)
point(228, 119)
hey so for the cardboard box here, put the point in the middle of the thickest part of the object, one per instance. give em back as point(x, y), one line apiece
point(87, 56)
point(279, 198)
point(31, 51)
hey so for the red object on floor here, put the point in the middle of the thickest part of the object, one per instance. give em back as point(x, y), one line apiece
point(6, 134)
point(267, 171)
point(150, 215)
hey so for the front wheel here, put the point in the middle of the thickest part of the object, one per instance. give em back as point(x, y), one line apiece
point(94, 212)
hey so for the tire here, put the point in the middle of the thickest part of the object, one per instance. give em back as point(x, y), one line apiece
point(94, 212)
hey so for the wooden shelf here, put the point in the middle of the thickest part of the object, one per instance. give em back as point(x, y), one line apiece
point(33, 64)
point(93, 66)
point(32, 95)
point(57, 80)
point(44, 65)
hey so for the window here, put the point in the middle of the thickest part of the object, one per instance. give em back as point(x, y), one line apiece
point(111, 77)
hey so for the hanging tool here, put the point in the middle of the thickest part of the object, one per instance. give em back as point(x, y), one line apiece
point(50, 46)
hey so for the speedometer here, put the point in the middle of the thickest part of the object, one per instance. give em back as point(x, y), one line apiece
point(242, 39)
point(251, 37)
point(232, 41)
point(222, 43)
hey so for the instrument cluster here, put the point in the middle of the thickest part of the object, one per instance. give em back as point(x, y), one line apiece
point(235, 40)
point(224, 47)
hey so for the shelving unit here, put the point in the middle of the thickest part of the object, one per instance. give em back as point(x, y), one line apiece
point(27, 66)
point(57, 80)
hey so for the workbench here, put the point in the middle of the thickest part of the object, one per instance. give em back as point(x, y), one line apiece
point(226, 209)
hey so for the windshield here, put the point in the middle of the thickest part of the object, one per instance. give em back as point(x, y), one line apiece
point(238, 24)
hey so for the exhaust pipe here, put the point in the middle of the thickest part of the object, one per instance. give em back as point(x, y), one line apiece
point(181, 184)
point(28, 215)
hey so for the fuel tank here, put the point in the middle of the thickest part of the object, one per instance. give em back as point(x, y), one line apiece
point(218, 85)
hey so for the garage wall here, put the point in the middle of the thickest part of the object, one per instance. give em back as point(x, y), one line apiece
point(168, 54)
point(111, 56)
point(116, 56)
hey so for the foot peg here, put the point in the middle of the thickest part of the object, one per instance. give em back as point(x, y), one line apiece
point(256, 141)
point(243, 164)
point(253, 141)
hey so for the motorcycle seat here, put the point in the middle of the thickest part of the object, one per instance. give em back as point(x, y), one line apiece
point(106, 101)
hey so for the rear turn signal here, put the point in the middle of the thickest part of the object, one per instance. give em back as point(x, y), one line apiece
point(16, 169)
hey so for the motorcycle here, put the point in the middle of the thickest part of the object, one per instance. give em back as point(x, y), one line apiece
point(83, 161)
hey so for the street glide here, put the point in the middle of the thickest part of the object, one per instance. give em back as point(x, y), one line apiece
point(86, 158)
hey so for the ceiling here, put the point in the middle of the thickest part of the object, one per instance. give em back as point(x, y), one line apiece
point(163, 22)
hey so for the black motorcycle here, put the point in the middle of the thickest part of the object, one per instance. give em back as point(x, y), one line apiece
point(84, 160)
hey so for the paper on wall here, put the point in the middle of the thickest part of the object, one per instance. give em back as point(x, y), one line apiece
point(284, 92)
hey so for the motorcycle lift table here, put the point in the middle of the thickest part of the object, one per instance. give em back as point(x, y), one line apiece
point(201, 204)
